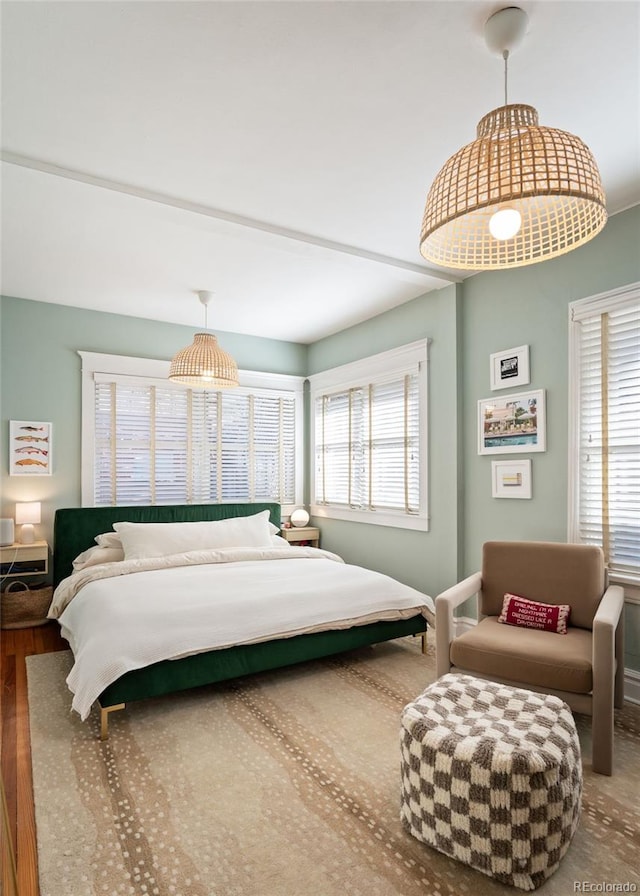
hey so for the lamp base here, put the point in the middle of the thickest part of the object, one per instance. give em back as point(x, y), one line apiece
point(27, 533)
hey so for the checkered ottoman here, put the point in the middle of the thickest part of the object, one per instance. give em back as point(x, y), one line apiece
point(492, 776)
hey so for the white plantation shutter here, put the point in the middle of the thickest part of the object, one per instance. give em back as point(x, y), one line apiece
point(605, 363)
point(369, 439)
point(333, 452)
point(155, 443)
point(392, 448)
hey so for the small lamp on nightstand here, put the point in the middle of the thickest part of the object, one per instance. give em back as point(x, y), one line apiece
point(28, 515)
point(299, 518)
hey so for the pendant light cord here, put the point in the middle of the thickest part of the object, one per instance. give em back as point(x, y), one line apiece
point(505, 56)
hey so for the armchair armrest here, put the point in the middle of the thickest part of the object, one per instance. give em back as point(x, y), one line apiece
point(608, 675)
point(610, 609)
point(608, 641)
point(446, 602)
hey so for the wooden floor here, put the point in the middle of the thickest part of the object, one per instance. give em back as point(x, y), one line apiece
point(19, 816)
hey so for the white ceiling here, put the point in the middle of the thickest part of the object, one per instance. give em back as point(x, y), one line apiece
point(276, 153)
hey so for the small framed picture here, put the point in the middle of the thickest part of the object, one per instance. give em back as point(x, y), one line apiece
point(510, 478)
point(512, 424)
point(29, 448)
point(510, 368)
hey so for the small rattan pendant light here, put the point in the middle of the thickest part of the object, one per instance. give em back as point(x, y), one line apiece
point(520, 193)
point(204, 363)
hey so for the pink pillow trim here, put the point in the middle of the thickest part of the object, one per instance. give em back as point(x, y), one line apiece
point(527, 613)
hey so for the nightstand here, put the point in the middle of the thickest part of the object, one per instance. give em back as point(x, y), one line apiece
point(18, 560)
point(296, 534)
point(28, 605)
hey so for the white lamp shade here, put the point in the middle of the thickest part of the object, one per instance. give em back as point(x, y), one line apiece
point(299, 518)
point(28, 512)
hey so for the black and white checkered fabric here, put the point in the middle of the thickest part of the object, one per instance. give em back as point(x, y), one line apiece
point(492, 776)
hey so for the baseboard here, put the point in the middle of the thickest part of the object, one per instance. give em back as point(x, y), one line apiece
point(463, 624)
point(632, 686)
point(631, 677)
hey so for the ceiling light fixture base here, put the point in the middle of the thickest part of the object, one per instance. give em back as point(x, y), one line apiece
point(505, 30)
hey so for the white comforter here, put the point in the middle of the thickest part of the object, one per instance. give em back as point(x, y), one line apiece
point(123, 616)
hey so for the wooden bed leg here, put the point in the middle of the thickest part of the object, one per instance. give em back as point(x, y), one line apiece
point(423, 639)
point(104, 718)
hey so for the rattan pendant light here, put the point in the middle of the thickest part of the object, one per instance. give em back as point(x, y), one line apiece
point(204, 363)
point(520, 193)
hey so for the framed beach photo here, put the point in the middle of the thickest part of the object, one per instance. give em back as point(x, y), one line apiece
point(29, 448)
point(510, 368)
point(510, 478)
point(512, 424)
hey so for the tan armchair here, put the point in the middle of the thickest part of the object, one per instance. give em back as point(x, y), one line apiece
point(584, 667)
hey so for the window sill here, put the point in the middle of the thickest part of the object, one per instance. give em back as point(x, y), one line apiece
point(371, 517)
point(631, 587)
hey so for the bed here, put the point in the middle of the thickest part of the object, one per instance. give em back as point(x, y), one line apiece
point(75, 533)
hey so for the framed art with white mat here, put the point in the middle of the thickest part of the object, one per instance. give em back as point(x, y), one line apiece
point(511, 479)
point(509, 368)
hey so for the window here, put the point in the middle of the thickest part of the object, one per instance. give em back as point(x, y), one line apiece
point(604, 460)
point(369, 438)
point(149, 441)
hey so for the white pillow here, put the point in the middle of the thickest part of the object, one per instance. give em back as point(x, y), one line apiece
point(113, 540)
point(98, 554)
point(109, 540)
point(141, 540)
point(277, 541)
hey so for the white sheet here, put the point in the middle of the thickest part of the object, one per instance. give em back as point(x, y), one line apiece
point(127, 620)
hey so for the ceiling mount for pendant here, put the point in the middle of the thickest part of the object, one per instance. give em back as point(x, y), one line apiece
point(505, 29)
point(205, 297)
point(203, 363)
point(520, 193)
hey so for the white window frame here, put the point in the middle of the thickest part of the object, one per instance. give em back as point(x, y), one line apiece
point(151, 369)
point(377, 368)
point(615, 299)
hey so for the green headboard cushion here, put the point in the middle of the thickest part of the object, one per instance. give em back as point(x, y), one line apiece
point(75, 528)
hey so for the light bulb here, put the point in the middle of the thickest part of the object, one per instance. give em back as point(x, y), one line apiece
point(505, 223)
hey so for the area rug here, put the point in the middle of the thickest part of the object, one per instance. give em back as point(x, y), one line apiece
point(284, 783)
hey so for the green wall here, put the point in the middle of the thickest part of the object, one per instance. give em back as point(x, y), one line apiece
point(487, 313)
point(41, 380)
point(427, 561)
point(529, 306)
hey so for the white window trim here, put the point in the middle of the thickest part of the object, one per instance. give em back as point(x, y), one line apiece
point(151, 368)
point(377, 368)
point(578, 310)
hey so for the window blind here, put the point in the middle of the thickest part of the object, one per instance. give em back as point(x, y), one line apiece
point(158, 444)
point(607, 410)
point(367, 446)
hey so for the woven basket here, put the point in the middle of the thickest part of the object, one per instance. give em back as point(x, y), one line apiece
point(26, 606)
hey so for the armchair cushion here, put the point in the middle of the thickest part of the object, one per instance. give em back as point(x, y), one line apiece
point(521, 654)
point(549, 572)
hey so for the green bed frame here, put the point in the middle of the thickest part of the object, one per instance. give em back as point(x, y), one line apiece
point(74, 531)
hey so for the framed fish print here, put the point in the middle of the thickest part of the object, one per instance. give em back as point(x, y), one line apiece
point(29, 448)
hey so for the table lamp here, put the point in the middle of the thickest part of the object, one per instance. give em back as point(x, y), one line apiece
point(28, 515)
point(299, 517)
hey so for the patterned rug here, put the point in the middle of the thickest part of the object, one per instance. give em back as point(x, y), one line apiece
point(285, 783)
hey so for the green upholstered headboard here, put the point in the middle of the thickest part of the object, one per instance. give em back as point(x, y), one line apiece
point(75, 528)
